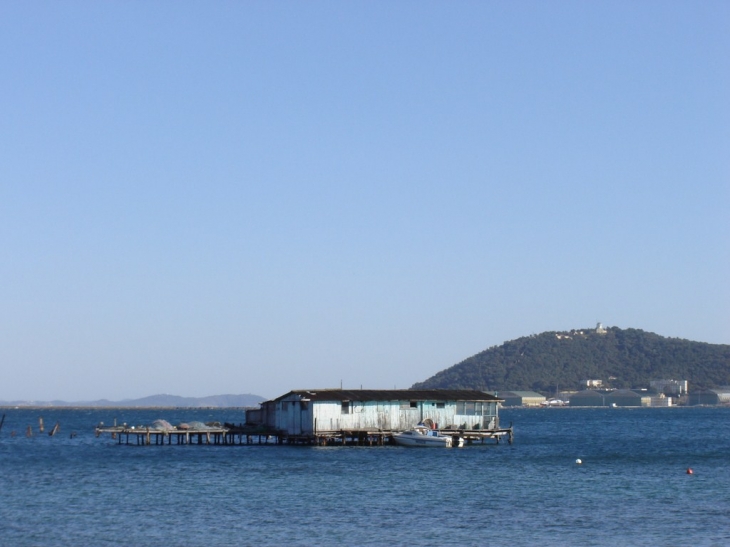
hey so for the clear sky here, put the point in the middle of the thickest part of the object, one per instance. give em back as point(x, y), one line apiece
point(250, 197)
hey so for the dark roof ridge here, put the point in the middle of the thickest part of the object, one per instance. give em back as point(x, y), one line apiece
point(392, 394)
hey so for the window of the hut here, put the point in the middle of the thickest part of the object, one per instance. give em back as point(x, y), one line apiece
point(414, 404)
point(440, 405)
point(466, 408)
point(345, 407)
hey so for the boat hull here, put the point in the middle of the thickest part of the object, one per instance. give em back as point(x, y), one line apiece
point(423, 439)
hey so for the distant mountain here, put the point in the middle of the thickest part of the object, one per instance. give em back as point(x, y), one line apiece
point(216, 401)
point(621, 358)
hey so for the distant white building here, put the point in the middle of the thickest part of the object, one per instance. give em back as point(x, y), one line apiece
point(591, 384)
point(661, 400)
point(520, 398)
point(669, 387)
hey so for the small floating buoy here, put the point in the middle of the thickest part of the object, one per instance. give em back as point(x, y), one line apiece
point(578, 461)
point(689, 471)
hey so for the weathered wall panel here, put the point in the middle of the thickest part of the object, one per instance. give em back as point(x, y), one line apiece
point(301, 418)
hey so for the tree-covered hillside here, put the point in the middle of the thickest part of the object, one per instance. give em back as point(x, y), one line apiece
point(622, 358)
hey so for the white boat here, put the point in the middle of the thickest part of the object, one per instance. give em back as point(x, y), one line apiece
point(423, 436)
point(554, 402)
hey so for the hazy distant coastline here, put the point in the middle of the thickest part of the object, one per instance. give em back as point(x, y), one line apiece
point(153, 401)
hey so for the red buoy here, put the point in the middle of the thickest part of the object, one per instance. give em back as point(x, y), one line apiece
point(689, 471)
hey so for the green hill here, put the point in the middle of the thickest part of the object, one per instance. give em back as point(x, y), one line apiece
point(622, 358)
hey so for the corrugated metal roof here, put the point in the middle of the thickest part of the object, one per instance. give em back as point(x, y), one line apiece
point(520, 394)
point(393, 395)
point(589, 393)
point(623, 393)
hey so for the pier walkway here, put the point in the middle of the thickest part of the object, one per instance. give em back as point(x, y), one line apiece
point(230, 434)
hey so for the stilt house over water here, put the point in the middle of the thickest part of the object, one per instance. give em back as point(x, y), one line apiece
point(327, 411)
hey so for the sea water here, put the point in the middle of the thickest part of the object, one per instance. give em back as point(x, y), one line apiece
point(632, 487)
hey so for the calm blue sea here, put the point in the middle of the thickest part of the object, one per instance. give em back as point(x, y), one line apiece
point(632, 488)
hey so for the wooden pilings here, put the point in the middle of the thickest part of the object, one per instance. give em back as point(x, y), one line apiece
point(145, 436)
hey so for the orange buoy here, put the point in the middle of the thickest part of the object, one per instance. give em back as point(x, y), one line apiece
point(689, 471)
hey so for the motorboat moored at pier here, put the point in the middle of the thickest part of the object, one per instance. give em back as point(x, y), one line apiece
point(424, 437)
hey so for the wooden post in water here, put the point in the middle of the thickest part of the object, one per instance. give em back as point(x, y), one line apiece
point(2, 421)
point(41, 429)
point(55, 429)
point(29, 432)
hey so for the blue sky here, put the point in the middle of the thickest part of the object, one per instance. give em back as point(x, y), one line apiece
point(240, 197)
